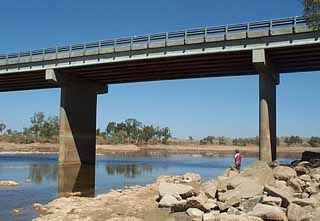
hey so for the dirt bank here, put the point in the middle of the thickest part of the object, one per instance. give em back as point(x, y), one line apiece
point(157, 150)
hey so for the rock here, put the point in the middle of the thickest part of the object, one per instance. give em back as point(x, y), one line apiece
point(223, 206)
point(210, 216)
point(295, 212)
point(309, 155)
point(311, 188)
point(231, 172)
point(180, 206)
point(301, 195)
point(8, 183)
point(233, 201)
point(305, 178)
point(183, 190)
point(168, 201)
point(191, 178)
point(316, 177)
point(295, 184)
point(233, 211)
point(284, 173)
point(273, 201)
point(16, 212)
point(198, 202)
point(305, 202)
point(222, 183)
point(247, 189)
point(194, 212)
point(280, 184)
point(39, 207)
point(301, 170)
point(267, 212)
point(231, 217)
point(211, 204)
point(260, 172)
point(210, 188)
point(276, 192)
point(248, 204)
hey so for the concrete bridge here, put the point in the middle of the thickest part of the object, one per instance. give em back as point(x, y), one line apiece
point(265, 48)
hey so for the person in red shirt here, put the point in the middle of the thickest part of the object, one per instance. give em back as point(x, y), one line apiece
point(237, 159)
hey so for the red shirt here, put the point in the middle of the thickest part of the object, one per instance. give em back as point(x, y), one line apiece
point(237, 158)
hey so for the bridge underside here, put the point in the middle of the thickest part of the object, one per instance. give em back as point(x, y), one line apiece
point(239, 63)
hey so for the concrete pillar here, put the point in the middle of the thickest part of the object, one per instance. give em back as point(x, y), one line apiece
point(77, 118)
point(268, 79)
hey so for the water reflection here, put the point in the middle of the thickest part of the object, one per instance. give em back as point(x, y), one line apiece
point(40, 172)
point(76, 179)
point(128, 170)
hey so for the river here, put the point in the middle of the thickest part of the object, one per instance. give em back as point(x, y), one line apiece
point(43, 180)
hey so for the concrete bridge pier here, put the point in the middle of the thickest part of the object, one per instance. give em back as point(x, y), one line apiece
point(268, 79)
point(77, 118)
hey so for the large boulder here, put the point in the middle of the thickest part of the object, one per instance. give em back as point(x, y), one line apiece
point(286, 196)
point(284, 173)
point(267, 212)
point(301, 170)
point(305, 178)
point(194, 212)
point(168, 201)
point(198, 202)
point(272, 201)
point(210, 188)
point(191, 178)
point(305, 201)
point(247, 189)
point(259, 171)
point(296, 212)
point(184, 191)
point(247, 204)
point(309, 155)
point(295, 185)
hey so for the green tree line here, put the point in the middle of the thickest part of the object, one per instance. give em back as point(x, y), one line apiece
point(132, 131)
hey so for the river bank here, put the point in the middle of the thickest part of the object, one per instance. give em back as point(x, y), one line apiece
point(156, 150)
point(259, 192)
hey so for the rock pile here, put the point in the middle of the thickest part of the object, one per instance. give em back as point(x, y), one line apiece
point(260, 192)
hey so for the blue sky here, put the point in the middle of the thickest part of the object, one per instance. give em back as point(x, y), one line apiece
point(197, 107)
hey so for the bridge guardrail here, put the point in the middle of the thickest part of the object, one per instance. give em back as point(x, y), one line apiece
point(165, 37)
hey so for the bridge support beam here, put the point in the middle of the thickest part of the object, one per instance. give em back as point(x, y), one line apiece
point(77, 118)
point(268, 79)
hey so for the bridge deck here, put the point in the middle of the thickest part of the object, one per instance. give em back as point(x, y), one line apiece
point(209, 52)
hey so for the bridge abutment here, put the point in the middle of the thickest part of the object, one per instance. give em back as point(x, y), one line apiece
point(268, 79)
point(78, 109)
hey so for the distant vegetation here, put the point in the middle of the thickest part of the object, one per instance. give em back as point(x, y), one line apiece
point(312, 13)
point(132, 131)
point(44, 129)
point(41, 129)
point(281, 141)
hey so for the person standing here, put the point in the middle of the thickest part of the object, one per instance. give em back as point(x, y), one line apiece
point(237, 159)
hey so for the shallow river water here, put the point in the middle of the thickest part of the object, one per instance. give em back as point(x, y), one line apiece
point(46, 180)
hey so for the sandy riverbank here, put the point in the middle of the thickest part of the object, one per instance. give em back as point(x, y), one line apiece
point(155, 150)
point(261, 192)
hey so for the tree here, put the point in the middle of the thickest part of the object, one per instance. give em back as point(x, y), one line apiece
point(148, 132)
point(37, 122)
point(293, 140)
point(312, 13)
point(2, 127)
point(314, 141)
point(166, 134)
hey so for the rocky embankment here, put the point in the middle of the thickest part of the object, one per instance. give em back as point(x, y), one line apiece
point(260, 192)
